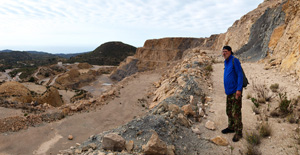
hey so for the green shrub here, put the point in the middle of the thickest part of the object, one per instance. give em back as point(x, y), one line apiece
point(284, 103)
point(254, 101)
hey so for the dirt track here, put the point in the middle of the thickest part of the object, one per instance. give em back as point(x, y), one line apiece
point(52, 137)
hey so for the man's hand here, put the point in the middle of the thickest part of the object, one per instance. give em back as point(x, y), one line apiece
point(238, 94)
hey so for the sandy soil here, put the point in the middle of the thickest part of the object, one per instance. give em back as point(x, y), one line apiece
point(6, 112)
point(52, 137)
point(34, 87)
point(281, 140)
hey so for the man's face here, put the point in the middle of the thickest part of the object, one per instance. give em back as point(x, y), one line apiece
point(226, 53)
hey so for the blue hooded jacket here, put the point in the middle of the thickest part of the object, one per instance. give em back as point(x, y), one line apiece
point(233, 76)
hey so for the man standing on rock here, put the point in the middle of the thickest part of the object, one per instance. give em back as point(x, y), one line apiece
point(233, 84)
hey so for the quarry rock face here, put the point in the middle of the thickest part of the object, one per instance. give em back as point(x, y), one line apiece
point(166, 49)
point(238, 34)
point(159, 53)
point(260, 34)
point(126, 68)
point(286, 40)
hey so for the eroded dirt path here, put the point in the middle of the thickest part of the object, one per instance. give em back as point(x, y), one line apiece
point(282, 139)
point(52, 137)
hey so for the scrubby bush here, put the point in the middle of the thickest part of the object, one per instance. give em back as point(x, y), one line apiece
point(252, 150)
point(284, 103)
point(291, 118)
point(254, 101)
point(274, 87)
point(262, 93)
point(253, 138)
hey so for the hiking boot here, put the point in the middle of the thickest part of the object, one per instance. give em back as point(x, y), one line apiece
point(227, 130)
point(237, 137)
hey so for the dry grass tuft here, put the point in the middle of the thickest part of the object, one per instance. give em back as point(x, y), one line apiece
point(262, 93)
point(292, 119)
point(265, 130)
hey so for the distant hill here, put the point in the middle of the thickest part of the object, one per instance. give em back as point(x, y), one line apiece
point(68, 56)
point(6, 50)
point(63, 55)
point(14, 59)
point(110, 53)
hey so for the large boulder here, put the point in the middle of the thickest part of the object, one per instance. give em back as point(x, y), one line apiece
point(155, 146)
point(113, 142)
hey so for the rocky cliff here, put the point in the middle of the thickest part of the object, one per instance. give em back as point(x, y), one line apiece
point(285, 40)
point(269, 32)
point(157, 53)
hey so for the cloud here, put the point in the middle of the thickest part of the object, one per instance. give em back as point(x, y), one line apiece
point(60, 22)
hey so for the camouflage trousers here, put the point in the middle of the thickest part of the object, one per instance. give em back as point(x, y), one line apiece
point(234, 113)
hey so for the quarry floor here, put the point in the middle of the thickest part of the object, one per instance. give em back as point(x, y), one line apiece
point(49, 138)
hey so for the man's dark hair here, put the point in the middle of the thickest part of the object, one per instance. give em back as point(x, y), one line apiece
point(228, 48)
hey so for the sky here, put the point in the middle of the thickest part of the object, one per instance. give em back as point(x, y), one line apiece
point(72, 26)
